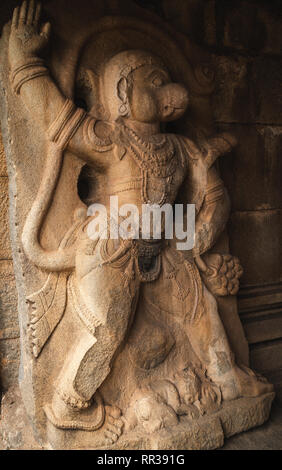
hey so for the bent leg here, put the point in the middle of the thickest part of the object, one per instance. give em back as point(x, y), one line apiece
point(209, 341)
point(110, 308)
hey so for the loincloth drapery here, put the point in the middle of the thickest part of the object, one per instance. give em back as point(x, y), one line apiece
point(148, 261)
point(153, 262)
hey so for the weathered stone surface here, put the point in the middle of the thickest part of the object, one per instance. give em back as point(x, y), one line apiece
point(245, 414)
point(250, 86)
point(265, 437)
point(263, 326)
point(119, 327)
point(3, 168)
point(5, 246)
point(232, 89)
point(209, 32)
point(267, 357)
point(186, 17)
point(252, 26)
point(267, 89)
point(243, 26)
point(255, 296)
point(207, 433)
point(15, 429)
point(9, 360)
point(8, 298)
point(9, 347)
point(258, 187)
point(9, 330)
point(262, 265)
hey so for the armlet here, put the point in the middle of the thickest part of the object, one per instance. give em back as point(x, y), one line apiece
point(66, 124)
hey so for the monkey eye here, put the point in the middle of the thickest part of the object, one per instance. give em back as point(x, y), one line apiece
point(158, 81)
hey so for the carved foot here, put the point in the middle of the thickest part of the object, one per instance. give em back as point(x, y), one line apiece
point(246, 383)
point(75, 414)
point(106, 421)
point(113, 426)
point(251, 383)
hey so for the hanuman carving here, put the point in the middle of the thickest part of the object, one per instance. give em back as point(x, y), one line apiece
point(94, 288)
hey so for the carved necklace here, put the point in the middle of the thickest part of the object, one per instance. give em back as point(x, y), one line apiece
point(155, 158)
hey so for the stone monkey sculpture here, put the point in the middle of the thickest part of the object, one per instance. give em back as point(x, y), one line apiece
point(141, 165)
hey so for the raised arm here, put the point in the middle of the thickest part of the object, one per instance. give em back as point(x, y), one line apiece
point(29, 75)
point(30, 78)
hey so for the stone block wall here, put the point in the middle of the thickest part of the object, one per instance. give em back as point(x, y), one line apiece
point(9, 330)
point(244, 38)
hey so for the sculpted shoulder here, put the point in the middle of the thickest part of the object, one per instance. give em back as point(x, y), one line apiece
point(190, 148)
point(98, 134)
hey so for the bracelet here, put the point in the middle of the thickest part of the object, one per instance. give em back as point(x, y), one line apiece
point(66, 124)
point(33, 61)
point(27, 78)
point(33, 69)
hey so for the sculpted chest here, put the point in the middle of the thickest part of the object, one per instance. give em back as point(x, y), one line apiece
point(156, 168)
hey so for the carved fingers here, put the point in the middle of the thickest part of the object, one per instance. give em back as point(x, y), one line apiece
point(15, 19)
point(28, 14)
point(28, 38)
point(37, 14)
point(23, 13)
point(223, 274)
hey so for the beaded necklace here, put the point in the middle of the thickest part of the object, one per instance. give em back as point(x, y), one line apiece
point(155, 158)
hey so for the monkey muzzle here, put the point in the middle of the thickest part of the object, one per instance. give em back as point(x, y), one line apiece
point(173, 100)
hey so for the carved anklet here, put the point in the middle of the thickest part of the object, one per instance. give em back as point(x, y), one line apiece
point(77, 404)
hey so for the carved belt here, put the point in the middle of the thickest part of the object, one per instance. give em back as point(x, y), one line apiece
point(149, 248)
point(123, 186)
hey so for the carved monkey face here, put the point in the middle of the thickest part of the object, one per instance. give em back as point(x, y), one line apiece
point(136, 85)
point(151, 96)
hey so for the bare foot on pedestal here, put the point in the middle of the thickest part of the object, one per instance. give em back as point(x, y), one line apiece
point(104, 420)
point(252, 384)
point(244, 383)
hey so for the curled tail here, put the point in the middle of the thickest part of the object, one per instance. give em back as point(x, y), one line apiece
point(61, 259)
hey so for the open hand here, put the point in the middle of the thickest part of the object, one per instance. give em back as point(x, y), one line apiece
point(28, 36)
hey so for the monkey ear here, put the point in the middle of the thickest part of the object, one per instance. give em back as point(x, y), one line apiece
point(122, 88)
